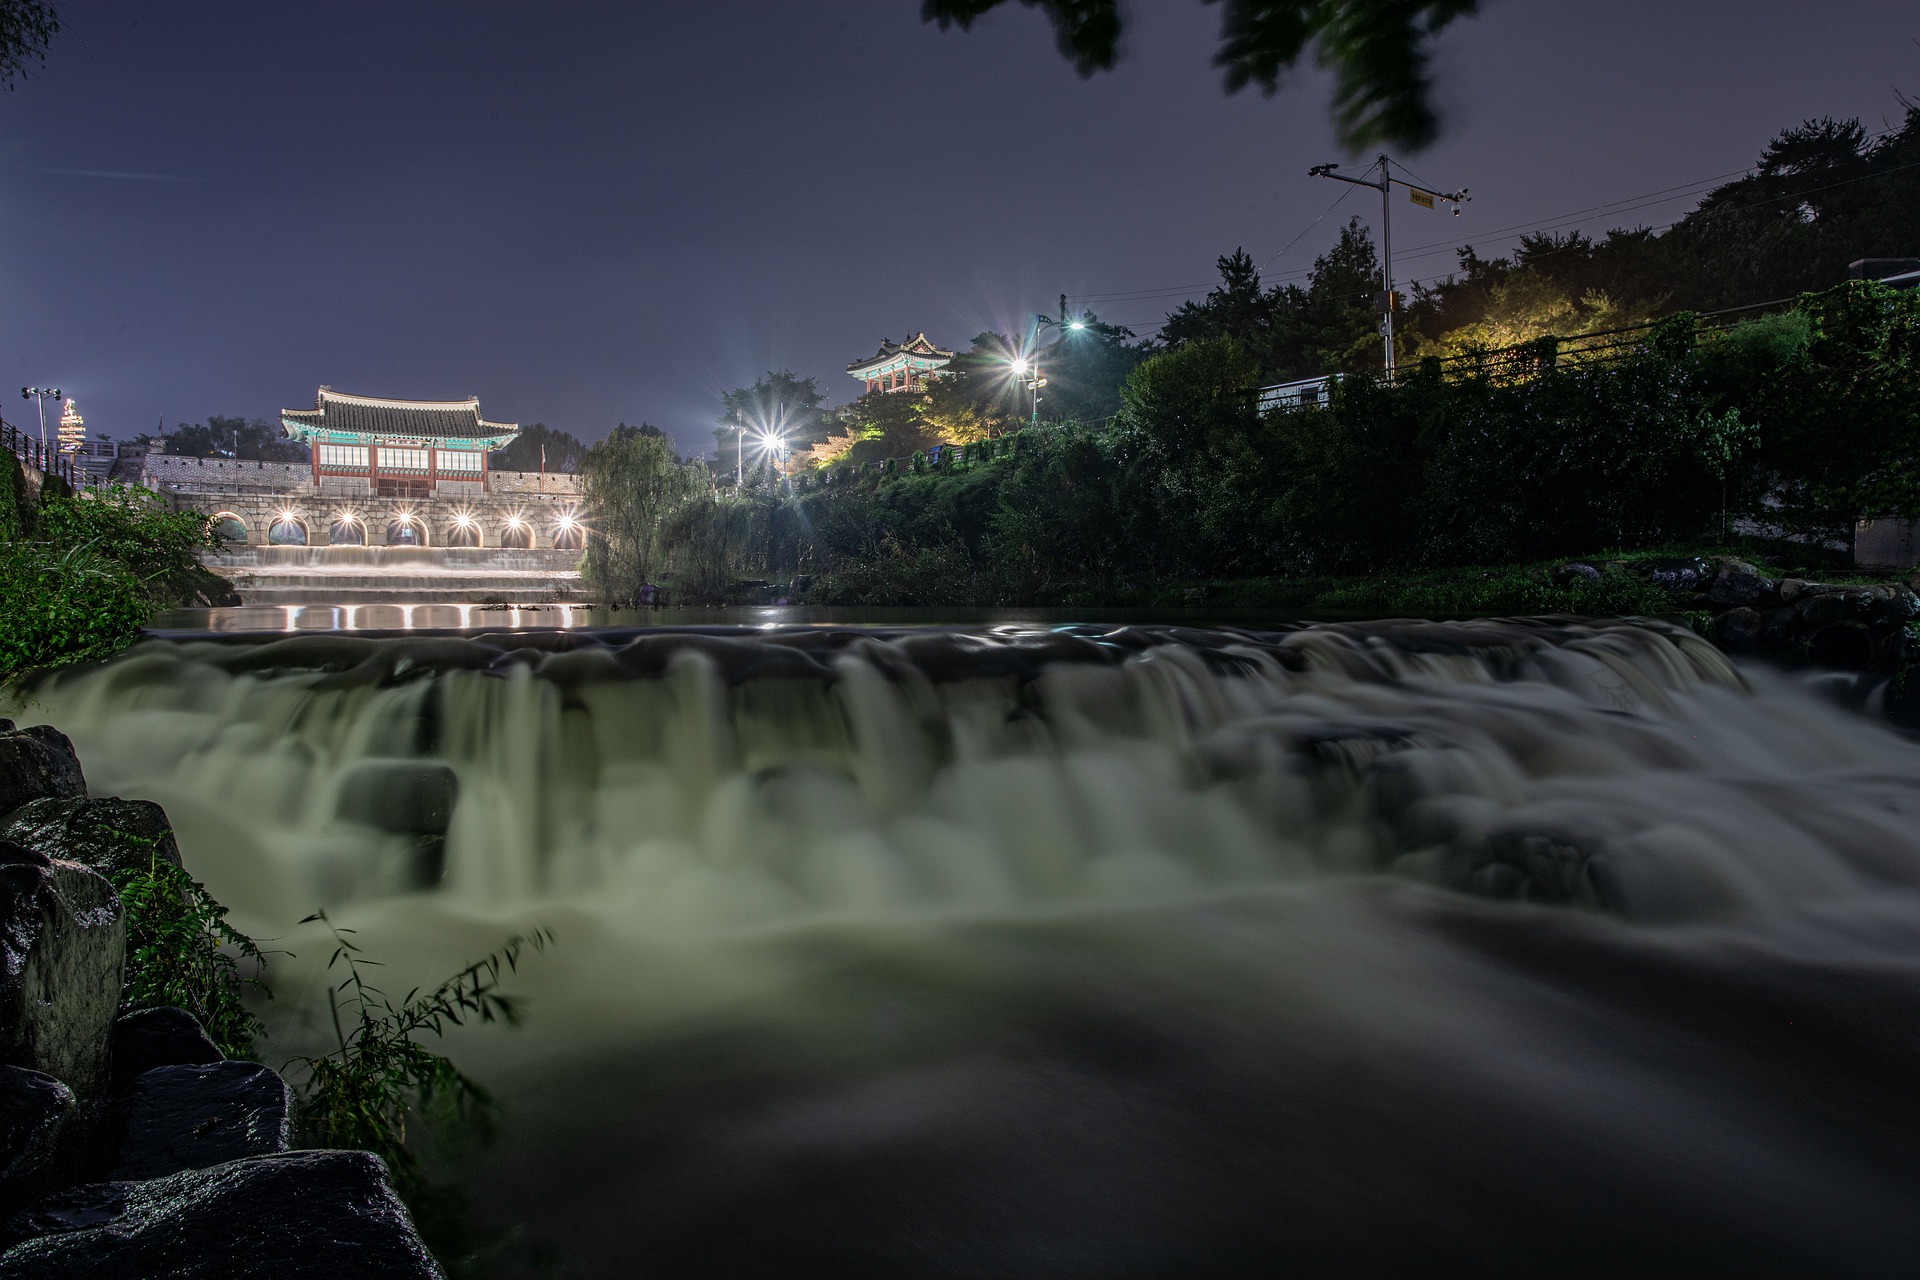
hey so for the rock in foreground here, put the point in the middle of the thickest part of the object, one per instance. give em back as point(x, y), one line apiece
point(195, 1117)
point(63, 941)
point(108, 834)
point(302, 1215)
point(34, 763)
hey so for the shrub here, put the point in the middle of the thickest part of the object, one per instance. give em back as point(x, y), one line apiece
point(182, 954)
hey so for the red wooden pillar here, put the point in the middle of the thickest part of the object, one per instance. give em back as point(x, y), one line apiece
point(314, 446)
point(373, 465)
point(433, 469)
point(486, 485)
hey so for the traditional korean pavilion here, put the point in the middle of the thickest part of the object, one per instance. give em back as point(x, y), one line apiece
point(401, 448)
point(901, 366)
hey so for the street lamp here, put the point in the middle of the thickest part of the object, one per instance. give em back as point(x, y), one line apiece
point(1027, 370)
point(1384, 185)
point(40, 394)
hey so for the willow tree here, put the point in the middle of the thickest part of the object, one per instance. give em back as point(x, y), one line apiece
point(633, 483)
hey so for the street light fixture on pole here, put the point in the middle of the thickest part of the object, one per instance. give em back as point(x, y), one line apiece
point(1384, 185)
point(40, 394)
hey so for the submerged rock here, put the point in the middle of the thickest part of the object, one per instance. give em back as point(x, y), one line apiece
point(413, 798)
point(63, 943)
point(36, 1119)
point(158, 1038)
point(108, 834)
point(35, 763)
point(300, 1215)
point(195, 1117)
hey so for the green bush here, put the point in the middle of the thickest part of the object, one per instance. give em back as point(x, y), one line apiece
point(91, 572)
point(65, 605)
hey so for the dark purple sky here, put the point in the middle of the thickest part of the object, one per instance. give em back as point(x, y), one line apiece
point(599, 212)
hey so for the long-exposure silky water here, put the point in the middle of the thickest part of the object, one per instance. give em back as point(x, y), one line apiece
point(1098, 951)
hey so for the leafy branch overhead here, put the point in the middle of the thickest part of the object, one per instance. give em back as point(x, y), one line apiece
point(1378, 50)
point(26, 28)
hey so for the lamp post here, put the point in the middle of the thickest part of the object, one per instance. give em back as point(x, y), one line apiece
point(40, 394)
point(1384, 185)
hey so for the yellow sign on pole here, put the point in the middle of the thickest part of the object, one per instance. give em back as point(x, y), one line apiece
point(1422, 198)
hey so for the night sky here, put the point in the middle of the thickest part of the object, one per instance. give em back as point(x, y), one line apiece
point(591, 213)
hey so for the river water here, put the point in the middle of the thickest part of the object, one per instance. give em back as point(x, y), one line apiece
point(1511, 948)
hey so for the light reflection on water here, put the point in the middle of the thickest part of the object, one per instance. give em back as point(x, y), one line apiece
point(490, 617)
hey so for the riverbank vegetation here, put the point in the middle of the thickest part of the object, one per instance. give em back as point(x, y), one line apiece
point(1576, 398)
point(80, 574)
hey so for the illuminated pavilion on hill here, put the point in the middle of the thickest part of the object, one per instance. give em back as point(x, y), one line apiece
point(901, 366)
point(402, 448)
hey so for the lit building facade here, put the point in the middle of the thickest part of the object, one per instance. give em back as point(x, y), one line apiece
point(397, 448)
point(901, 366)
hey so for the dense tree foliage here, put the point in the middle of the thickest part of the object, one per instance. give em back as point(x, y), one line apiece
point(779, 405)
point(256, 440)
point(539, 447)
point(1820, 196)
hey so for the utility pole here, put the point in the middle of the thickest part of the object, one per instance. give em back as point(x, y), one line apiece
point(1384, 185)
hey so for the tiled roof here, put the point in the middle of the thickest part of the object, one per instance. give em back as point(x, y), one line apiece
point(918, 345)
point(406, 419)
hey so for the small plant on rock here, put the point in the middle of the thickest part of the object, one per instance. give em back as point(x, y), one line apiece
point(182, 953)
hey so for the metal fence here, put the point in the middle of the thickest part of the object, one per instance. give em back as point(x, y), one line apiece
point(49, 462)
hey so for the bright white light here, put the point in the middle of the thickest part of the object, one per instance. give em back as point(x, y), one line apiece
point(464, 520)
point(1078, 324)
point(567, 524)
point(1020, 367)
point(516, 522)
point(286, 517)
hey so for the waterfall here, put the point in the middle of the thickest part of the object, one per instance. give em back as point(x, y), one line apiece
point(1502, 927)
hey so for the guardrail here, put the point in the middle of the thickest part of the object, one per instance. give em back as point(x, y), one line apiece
point(49, 462)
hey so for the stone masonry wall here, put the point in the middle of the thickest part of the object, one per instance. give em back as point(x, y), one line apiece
point(260, 493)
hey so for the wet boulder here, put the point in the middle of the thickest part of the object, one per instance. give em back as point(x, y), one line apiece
point(1689, 576)
point(1739, 583)
point(1576, 571)
point(36, 1129)
point(195, 1117)
point(402, 797)
point(298, 1215)
point(63, 940)
point(107, 834)
point(158, 1038)
point(34, 763)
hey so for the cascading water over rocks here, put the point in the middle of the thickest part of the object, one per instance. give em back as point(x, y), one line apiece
point(1530, 943)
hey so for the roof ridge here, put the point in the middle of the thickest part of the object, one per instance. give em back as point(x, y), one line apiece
point(387, 402)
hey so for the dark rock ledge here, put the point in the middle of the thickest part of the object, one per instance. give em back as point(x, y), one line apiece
point(128, 1146)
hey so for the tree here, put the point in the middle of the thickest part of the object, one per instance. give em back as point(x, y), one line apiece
point(633, 482)
point(1378, 51)
point(1236, 308)
point(540, 447)
point(777, 404)
point(26, 28)
point(1289, 332)
point(258, 440)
